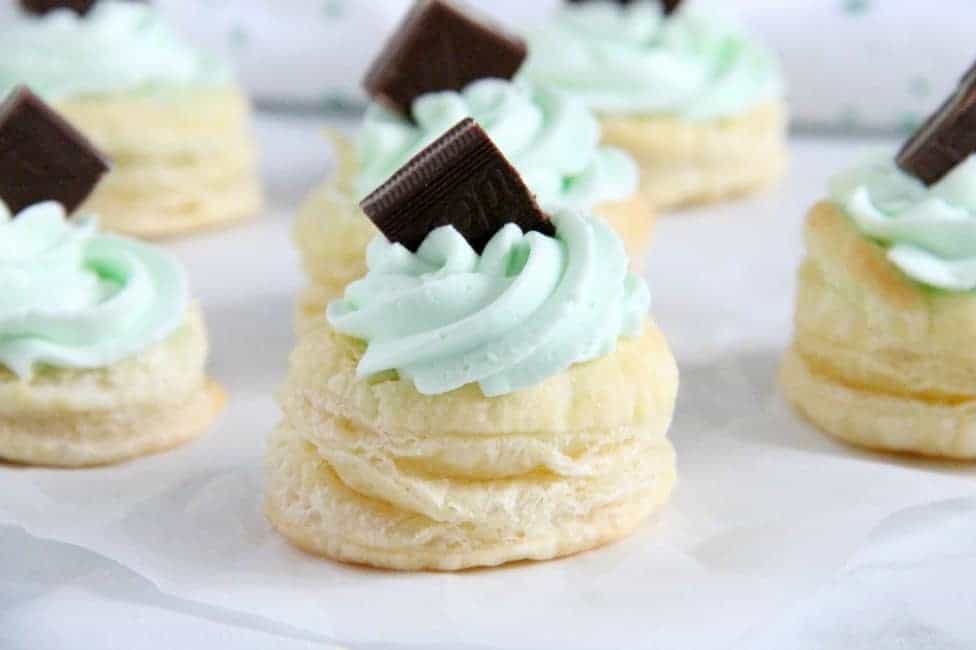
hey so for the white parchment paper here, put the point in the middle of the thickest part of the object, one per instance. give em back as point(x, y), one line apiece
point(776, 536)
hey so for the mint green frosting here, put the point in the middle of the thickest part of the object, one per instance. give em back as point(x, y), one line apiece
point(527, 308)
point(929, 232)
point(73, 298)
point(117, 47)
point(635, 60)
point(550, 138)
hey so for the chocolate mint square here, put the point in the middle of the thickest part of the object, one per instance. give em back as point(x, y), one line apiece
point(440, 47)
point(41, 7)
point(462, 180)
point(43, 157)
point(946, 139)
point(668, 5)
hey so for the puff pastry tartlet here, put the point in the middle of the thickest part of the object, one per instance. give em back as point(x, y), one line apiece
point(475, 400)
point(886, 305)
point(102, 355)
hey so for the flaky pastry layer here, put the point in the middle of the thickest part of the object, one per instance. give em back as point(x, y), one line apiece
point(878, 359)
point(373, 472)
point(179, 164)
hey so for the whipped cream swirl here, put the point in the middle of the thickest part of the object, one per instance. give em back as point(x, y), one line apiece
point(116, 47)
point(72, 298)
point(527, 308)
point(930, 232)
point(635, 60)
point(550, 138)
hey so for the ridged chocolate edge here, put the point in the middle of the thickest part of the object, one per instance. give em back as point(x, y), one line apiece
point(954, 108)
point(424, 180)
point(423, 174)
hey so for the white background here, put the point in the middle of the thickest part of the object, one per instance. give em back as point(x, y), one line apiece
point(851, 64)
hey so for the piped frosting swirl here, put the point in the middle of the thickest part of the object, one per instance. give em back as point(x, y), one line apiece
point(73, 298)
point(929, 232)
point(528, 307)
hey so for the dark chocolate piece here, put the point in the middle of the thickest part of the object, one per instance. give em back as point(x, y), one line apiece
point(438, 47)
point(946, 139)
point(43, 157)
point(461, 180)
point(668, 5)
point(41, 7)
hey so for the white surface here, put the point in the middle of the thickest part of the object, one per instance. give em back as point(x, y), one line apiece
point(776, 536)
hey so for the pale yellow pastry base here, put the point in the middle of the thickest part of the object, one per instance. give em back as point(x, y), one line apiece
point(686, 163)
point(332, 233)
point(879, 360)
point(375, 473)
point(180, 163)
point(74, 418)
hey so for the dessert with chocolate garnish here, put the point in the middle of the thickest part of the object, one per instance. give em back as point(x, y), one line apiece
point(882, 355)
point(445, 63)
point(694, 99)
point(102, 352)
point(173, 119)
point(490, 390)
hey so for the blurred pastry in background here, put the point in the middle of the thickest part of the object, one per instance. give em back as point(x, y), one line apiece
point(102, 353)
point(445, 64)
point(490, 390)
point(173, 120)
point(690, 95)
point(886, 310)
